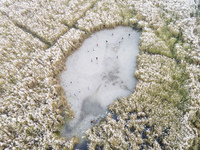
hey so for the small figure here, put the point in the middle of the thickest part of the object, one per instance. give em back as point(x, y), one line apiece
point(70, 81)
point(119, 41)
point(112, 33)
point(117, 57)
point(97, 45)
point(93, 122)
point(91, 60)
point(93, 49)
point(129, 34)
point(106, 41)
point(122, 38)
point(96, 58)
point(88, 88)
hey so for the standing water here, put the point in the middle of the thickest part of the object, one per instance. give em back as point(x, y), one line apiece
point(99, 72)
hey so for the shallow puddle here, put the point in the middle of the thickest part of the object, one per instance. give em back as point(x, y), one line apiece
point(99, 72)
